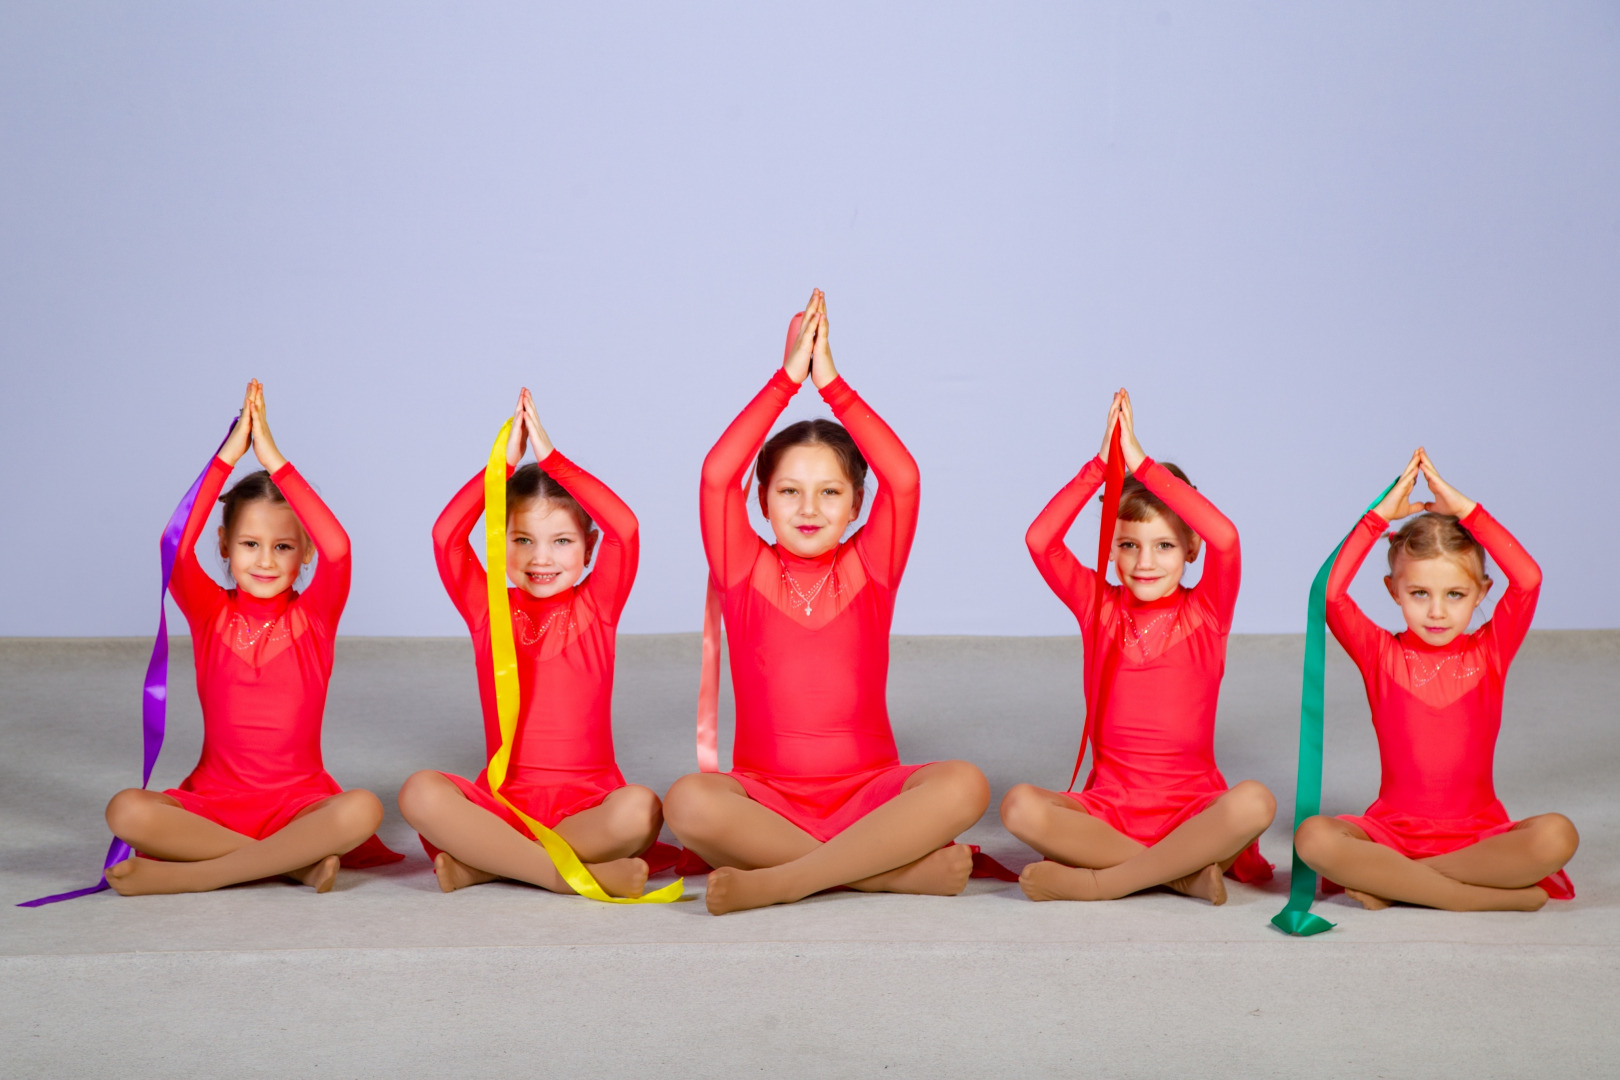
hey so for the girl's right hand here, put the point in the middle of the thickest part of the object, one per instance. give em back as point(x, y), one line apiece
point(236, 443)
point(1398, 503)
point(517, 441)
point(797, 364)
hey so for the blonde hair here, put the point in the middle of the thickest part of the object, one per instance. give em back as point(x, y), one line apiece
point(1436, 536)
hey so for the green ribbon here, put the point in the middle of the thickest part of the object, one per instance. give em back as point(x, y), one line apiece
point(1296, 918)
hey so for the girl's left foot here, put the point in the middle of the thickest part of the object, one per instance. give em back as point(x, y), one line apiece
point(319, 876)
point(621, 877)
point(454, 874)
point(939, 873)
point(1048, 880)
point(730, 889)
point(1207, 884)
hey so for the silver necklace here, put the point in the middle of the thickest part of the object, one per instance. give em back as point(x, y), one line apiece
point(807, 600)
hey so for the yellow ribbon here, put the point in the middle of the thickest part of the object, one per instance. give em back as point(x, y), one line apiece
point(503, 653)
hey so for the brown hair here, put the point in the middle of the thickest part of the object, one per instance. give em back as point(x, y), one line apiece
point(531, 484)
point(1137, 503)
point(1433, 536)
point(251, 488)
point(818, 432)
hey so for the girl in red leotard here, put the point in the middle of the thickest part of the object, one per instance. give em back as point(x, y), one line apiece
point(259, 803)
point(1438, 836)
point(562, 771)
point(817, 797)
point(1155, 809)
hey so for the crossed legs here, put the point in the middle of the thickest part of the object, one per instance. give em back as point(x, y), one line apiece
point(761, 858)
point(1088, 859)
point(476, 846)
point(1498, 873)
point(198, 855)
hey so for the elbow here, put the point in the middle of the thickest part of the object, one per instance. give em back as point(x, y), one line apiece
point(1037, 539)
point(716, 478)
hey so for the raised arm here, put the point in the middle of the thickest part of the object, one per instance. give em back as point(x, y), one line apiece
point(1073, 583)
point(1510, 622)
point(459, 568)
point(618, 553)
point(197, 593)
point(729, 539)
point(1223, 558)
point(891, 523)
point(328, 591)
point(1360, 636)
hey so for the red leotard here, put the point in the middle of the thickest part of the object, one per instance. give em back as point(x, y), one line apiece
point(813, 740)
point(262, 673)
point(1437, 709)
point(562, 755)
point(1153, 749)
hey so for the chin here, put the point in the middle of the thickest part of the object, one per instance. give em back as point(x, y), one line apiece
point(1445, 638)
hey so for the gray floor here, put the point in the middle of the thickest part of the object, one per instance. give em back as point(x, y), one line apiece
point(387, 977)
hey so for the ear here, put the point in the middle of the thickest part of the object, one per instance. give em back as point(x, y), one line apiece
point(591, 538)
point(1389, 583)
point(1194, 547)
point(1484, 590)
point(223, 552)
point(860, 497)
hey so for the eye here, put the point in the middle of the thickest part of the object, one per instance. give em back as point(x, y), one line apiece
point(1166, 545)
point(284, 547)
point(249, 543)
point(563, 541)
point(1420, 593)
point(520, 540)
point(1127, 545)
point(787, 491)
point(1455, 594)
point(832, 491)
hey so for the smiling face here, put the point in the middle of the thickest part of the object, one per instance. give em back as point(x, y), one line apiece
point(546, 549)
point(810, 500)
point(1438, 596)
point(1150, 557)
point(266, 548)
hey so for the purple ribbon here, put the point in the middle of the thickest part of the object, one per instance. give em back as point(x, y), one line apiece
point(155, 699)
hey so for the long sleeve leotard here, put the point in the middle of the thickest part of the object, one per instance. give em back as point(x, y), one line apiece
point(1153, 749)
point(262, 672)
point(809, 638)
point(1437, 710)
point(562, 756)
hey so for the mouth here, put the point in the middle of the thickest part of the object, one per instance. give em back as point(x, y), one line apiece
point(809, 530)
point(1437, 629)
point(542, 579)
point(268, 579)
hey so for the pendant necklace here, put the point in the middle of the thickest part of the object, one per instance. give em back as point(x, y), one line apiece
point(807, 600)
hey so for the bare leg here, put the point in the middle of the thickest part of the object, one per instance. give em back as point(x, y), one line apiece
point(1189, 860)
point(1531, 850)
point(1375, 874)
point(937, 802)
point(327, 828)
point(477, 846)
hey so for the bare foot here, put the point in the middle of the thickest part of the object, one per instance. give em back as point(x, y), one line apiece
point(146, 877)
point(1047, 880)
point(621, 877)
point(1367, 899)
point(730, 889)
point(1207, 884)
point(453, 874)
point(939, 873)
point(318, 876)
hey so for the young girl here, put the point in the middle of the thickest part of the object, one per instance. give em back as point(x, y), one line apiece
point(259, 803)
point(562, 771)
point(818, 797)
point(1438, 835)
point(1155, 809)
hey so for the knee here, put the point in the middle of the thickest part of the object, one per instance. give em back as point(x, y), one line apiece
point(690, 807)
point(1314, 838)
point(419, 794)
point(128, 813)
point(970, 785)
point(1555, 839)
point(1253, 807)
point(359, 812)
point(637, 811)
point(1023, 810)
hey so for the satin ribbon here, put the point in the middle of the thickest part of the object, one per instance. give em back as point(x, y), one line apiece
point(1097, 685)
point(508, 694)
point(1296, 918)
point(155, 695)
point(708, 707)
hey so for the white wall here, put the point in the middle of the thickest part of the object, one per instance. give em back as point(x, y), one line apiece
point(1307, 237)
